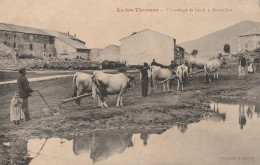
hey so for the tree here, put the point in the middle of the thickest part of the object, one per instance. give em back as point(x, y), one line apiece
point(227, 48)
point(194, 52)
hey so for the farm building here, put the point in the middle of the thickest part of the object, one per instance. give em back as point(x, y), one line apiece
point(250, 40)
point(109, 53)
point(29, 41)
point(146, 45)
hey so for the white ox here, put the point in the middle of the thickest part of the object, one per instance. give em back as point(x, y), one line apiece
point(110, 84)
point(82, 83)
point(158, 73)
point(196, 62)
point(181, 73)
point(212, 67)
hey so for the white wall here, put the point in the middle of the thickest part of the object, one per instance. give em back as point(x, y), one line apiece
point(145, 46)
point(110, 53)
point(63, 48)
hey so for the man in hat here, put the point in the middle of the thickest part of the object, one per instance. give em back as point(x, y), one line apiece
point(144, 79)
point(172, 66)
point(241, 67)
point(154, 63)
point(24, 92)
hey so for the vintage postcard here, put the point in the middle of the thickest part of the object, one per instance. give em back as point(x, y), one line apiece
point(129, 82)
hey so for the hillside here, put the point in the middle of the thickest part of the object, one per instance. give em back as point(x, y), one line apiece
point(212, 44)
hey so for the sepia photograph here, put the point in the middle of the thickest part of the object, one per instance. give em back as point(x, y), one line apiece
point(129, 82)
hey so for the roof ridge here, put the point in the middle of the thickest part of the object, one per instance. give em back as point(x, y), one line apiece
point(252, 31)
point(143, 31)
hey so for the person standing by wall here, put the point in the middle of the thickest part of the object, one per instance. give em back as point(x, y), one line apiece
point(144, 79)
point(24, 92)
point(241, 67)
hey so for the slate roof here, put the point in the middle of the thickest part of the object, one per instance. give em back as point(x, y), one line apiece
point(66, 38)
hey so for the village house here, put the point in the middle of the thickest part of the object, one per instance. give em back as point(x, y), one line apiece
point(27, 41)
point(250, 40)
point(146, 45)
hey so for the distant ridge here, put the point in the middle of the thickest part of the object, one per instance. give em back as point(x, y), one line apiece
point(212, 44)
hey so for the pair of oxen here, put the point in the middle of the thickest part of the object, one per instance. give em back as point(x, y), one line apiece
point(102, 84)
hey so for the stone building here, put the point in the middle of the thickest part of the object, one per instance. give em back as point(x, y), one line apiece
point(250, 40)
point(146, 45)
point(27, 41)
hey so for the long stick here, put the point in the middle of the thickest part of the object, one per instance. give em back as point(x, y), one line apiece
point(45, 101)
point(75, 98)
point(49, 84)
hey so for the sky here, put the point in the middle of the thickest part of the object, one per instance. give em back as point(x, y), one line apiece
point(98, 23)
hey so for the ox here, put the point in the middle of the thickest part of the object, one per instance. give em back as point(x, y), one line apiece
point(82, 83)
point(161, 74)
point(110, 84)
point(181, 73)
point(212, 67)
point(198, 62)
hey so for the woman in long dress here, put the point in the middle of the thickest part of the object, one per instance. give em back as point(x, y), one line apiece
point(16, 112)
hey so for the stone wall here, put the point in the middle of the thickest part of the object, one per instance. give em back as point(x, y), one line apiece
point(54, 63)
point(28, 44)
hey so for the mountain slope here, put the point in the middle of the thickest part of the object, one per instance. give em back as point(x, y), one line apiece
point(212, 44)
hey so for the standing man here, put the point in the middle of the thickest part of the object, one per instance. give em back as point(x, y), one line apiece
point(241, 67)
point(154, 63)
point(144, 79)
point(24, 92)
point(172, 66)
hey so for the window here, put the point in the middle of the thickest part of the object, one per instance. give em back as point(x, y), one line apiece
point(6, 35)
point(44, 47)
point(246, 46)
point(5, 43)
point(31, 46)
point(50, 55)
point(14, 44)
point(14, 35)
point(51, 40)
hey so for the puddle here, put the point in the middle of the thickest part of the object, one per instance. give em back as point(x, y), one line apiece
point(231, 137)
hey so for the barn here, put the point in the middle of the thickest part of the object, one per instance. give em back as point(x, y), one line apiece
point(250, 40)
point(146, 45)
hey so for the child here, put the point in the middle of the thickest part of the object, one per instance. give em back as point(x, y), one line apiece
point(16, 112)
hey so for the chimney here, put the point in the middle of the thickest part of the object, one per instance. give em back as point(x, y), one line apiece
point(68, 32)
point(75, 35)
